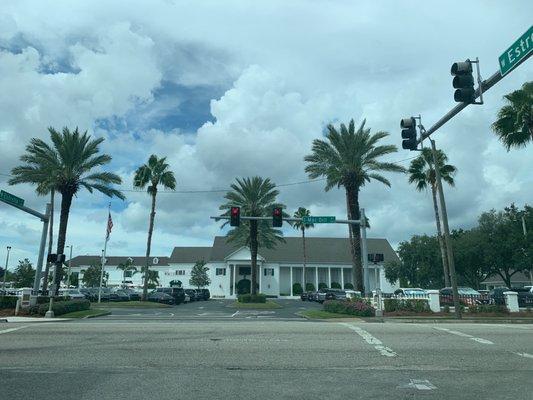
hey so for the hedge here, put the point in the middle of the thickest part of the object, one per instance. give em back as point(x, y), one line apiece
point(348, 285)
point(488, 308)
point(322, 285)
point(249, 298)
point(336, 285)
point(358, 307)
point(61, 307)
point(297, 289)
point(309, 287)
point(8, 302)
point(412, 305)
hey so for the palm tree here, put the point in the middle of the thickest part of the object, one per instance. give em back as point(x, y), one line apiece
point(152, 277)
point(150, 175)
point(256, 197)
point(515, 120)
point(300, 225)
point(127, 267)
point(69, 161)
point(350, 158)
point(37, 172)
point(422, 174)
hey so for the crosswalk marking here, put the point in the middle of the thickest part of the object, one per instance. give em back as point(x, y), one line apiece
point(12, 329)
point(367, 337)
point(465, 335)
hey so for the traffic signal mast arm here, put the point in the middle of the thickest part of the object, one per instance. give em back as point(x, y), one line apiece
point(337, 221)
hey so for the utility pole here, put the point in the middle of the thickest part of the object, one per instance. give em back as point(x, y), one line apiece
point(525, 237)
point(5, 270)
point(447, 239)
point(69, 267)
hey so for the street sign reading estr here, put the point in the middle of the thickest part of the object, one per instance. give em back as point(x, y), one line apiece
point(517, 52)
point(318, 220)
point(11, 199)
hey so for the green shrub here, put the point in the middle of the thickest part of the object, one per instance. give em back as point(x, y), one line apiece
point(358, 307)
point(8, 302)
point(309, 287)
point(249, 298)
point(322, 285)
point(243, 286)
point(348, 285)
point(336, 285)
point(46, 299)
point(488, 308)
point(61, 307)
point(297, 289)
point(446, 309)
point(411, 305)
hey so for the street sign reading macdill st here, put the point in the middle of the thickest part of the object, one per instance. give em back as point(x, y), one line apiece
point(11, 199)
point(318, 220)
point(518, 52)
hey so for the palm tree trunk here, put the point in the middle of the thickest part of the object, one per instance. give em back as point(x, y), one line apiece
point(305, 258)
point(66, 202)
point(253, 252)
point(50, 240)
point(148, 246)
point(441, 240)
point(352, 197)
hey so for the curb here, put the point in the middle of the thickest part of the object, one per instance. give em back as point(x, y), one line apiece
point(457, 321)
point(96, 316)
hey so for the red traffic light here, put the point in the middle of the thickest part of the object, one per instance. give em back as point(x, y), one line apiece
point(235, 210)
point(277, 217)
point(235, 216)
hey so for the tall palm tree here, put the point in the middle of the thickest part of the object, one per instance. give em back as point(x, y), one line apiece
point(515, 120)
point(256, 197)
point(350, 158)
point(422, 174)
point(127, 267)
point(69, 162)
point(300, 225)
point(36, 172)
point(150, 175)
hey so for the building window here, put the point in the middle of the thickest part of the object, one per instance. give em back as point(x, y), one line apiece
point(221, 271)
point(128, 274)
point(180, 272)
point(268, 271)
point(375, 258)
point(245, 270)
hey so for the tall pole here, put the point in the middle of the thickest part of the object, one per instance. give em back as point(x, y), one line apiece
point(40, 259)
point(69, 267)
point(525, 236)
point(364, 251)
point(103, 256)
point(447, 240)
point(5, 270)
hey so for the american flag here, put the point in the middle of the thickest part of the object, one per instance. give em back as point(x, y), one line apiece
point(109, 226)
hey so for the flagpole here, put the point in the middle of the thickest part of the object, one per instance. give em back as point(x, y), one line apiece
point(103, 254)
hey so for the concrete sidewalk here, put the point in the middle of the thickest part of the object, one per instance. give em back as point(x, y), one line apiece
point(31, 319)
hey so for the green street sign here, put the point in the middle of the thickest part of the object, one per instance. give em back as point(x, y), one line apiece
point(518, 52)
point(11, 199)
point(318, 220)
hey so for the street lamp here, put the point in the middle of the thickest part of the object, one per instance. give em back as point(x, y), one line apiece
point(69, 266)
point(5, 270)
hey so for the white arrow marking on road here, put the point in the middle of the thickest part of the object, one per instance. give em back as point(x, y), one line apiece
point(235, 313)
point(13, 329)
point(466, 335)
point(378, 345)
point(524, 355)
point(418, 384)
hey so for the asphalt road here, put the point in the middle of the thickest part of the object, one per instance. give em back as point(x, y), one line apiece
point(264, 359)
point(212, 310)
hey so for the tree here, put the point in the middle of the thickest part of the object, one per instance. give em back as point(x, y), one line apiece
point(150, 175)
point(126, 267)
point(300, 213)
point(24, 274)
point(351, 158)
point(514, 125)
point(199, 276)
point(422, 174)
point(91, 276)
point(256, 197)
point(69, 161)
point(468, 248)
point(151, 279)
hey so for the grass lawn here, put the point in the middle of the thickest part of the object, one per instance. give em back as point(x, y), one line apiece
point(93, 312)
point(269, 305)
point(320, 314)
point(131, 304)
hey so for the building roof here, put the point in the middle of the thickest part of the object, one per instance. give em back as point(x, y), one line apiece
point(190, 254)
point(116, 260)
point(318, 250)
point(519, 277)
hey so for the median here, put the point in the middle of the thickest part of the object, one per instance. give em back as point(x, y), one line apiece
point(254, 302)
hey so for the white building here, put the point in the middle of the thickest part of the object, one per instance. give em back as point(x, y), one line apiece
point(329, 261)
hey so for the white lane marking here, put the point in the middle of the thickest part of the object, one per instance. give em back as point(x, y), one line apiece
point(466, 335)
point(526, 355)
point(235, 313)
point(171, 314)
point(200, 308)
point(418, 384)
point(13, 329)
point(367, 337)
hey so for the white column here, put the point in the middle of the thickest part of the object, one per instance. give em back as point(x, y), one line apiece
point(291, 280)
point(376, 277)
point(329, 277)
point(342, 277)
point(260, 275)
point(234, 280)
point(511, 300)
point(316, 278)
point(434, 300)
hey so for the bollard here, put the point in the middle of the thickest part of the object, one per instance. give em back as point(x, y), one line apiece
point(511, 301)
point(434, 300)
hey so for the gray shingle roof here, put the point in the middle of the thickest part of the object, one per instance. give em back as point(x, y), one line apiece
point(116, 260)
point(190, 254)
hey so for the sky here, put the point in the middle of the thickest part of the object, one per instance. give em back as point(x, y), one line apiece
point(238, 88)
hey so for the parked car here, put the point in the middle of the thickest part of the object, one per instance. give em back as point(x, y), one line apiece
point(525, 296)
point(74, 294)
point(410, 292)
point(205, 293)
point(191, 293)
point(133, 295)
point(187, 298)
point(178, 294)
point(304, 296)
point(122, 295)
point(467, 296)
point(312, 296)
point(330, 294)
point(352, 294)
point(160, 297)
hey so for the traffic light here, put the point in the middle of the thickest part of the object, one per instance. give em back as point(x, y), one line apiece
point(277, 217)
point(235, 216)
point(51, 258)
point(408, 126)
point(463, 81)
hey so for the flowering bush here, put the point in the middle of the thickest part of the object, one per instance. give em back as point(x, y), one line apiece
point(357, 307)
point(412, 305)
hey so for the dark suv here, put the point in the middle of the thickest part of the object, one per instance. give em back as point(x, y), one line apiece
point(204, 293)
point(177, 293)
point(330, 294)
